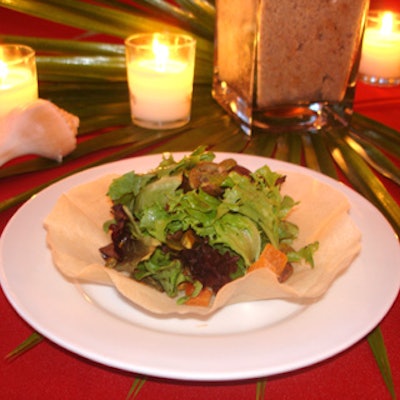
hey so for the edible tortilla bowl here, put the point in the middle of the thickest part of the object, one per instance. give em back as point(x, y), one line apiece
point(75, 234)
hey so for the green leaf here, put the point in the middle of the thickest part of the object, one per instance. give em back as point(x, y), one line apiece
point(362, 178)
point(260, 389)
point(235, 143)
point(375, 158)
point(203, 11)
point(295, 148)
point(282, 147)
point(135, 388)
point(101, 19)
point(239, 233)
point(84, 68)
point(311, 158)
point(185, 16)
point(368, 124)
point(376, 342)
point(324, 158)
point(376, 133)
point(85, 15)
point(50, 45)
point(26, 345)
point(261, 145)
point(97, 93)
point(195, 135)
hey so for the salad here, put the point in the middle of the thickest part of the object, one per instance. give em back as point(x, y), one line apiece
point(189, 227)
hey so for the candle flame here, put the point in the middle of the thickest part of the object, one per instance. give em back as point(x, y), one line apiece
point(3, 71)
point(387, 23)
point(161, 54)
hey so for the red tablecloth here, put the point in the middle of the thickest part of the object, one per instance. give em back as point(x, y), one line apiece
point(50, 372)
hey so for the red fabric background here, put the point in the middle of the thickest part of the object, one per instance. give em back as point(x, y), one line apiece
point(50, 372)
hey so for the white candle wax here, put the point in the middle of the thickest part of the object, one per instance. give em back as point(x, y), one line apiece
point(160, 94)
point(381, 52)
point(18, 87)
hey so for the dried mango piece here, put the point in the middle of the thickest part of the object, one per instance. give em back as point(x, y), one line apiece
point(271, 258)
point(203, 299)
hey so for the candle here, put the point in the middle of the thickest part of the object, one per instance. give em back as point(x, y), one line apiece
point(380, 59)
point(18, 81)
point(160, 70)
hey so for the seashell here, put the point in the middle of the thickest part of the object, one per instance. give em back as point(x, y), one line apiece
point(40, 128)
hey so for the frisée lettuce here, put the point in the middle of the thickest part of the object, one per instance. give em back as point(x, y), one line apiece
point(197, 222)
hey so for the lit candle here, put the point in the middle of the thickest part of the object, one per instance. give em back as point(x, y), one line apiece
point(160, 72)
point(18, 80)
point(380, 60)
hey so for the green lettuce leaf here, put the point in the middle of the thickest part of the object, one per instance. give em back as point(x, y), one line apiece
point(161, 272)
point(240, 234)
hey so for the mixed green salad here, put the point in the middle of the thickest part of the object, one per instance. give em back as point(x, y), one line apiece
point(197, 222)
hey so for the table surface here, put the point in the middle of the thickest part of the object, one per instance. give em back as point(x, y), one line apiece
point(50, 372)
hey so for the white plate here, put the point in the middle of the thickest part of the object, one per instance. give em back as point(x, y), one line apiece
point(241, 341)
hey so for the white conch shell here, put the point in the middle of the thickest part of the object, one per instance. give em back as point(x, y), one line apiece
point(40, 128)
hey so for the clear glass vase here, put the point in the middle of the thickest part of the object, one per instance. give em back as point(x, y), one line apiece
point(277, 63)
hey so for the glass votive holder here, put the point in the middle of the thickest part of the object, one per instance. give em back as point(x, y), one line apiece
point(380, 57)
point(18, 77)
point(278, 64)
point(160, 72)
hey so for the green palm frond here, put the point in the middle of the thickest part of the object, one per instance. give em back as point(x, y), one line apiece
point(376, 342)
point(80, 14)
point(202, 10)
point(33, 340)
point(91, 83)
point(260, 389)
point(135, 388)
point(101, 19)
point(179, 16)
point(362, 177)
point(75, 47)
